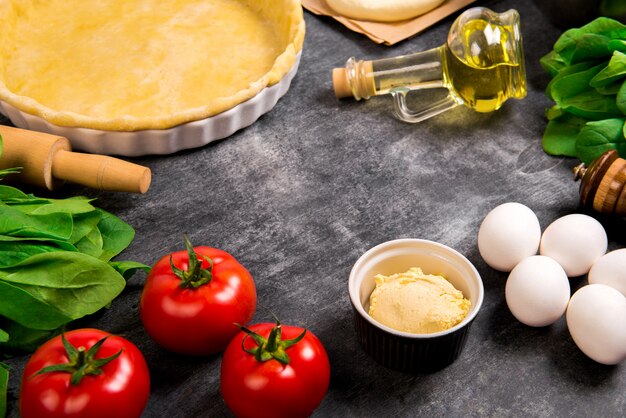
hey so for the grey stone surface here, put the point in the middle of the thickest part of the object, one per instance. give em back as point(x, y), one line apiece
point(301, 194)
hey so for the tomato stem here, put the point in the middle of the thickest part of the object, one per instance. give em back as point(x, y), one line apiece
point(81, 362)
point(272, 347)
point(195, 276)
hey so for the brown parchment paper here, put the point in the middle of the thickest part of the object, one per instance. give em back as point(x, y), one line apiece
point(389, 33)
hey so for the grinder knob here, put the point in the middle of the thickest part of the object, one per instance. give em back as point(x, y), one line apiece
point(603, 185)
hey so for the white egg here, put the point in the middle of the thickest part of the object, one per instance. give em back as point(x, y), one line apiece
point(596, 318)
point(610, 269)
point(537, 291)
point(508, 234)
point(575, 242)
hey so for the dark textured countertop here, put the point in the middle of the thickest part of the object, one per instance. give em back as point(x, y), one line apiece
point(298, 196)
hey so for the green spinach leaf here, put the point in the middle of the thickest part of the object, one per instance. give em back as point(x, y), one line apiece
point(8, 192)
point(564, 81)
point(64, 245)
point(614, 71)
point(75, 283)
point(116, 235)
point(14, 252)
point(24, 339)
point(128, 268)
point(555, 112)
point(40, 206)
point(610, 89)
point(559, 138)
point(571, 92)
point(16, 223)
point(590, 42)
point(91, 243)
point(553, 63)
point(39, 315)
point(83, 224)
point(620, 100)
point(595, 138)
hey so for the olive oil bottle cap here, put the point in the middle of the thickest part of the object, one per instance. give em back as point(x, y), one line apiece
point(341, 83)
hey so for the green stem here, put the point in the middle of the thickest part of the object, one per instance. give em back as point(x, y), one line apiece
point(272, 347)
point(81, 362)
point(195, 276)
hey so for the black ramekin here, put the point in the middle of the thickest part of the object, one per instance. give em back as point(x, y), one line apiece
point(408, 352)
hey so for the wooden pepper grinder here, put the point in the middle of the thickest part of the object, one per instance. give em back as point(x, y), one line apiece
point(48, 161)
point(603, 185)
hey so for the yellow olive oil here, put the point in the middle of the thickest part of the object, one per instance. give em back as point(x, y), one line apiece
point(479, 68)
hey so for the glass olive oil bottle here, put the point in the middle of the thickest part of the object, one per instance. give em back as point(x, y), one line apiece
point(481, 65)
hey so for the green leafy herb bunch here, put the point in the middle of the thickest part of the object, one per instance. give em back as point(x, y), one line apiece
point(588, 86)
point(55, 264)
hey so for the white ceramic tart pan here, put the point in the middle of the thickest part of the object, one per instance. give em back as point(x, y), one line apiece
point(128, 80)
point(160, 141)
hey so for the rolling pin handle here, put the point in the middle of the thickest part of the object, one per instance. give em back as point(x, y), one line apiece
point(101, 172)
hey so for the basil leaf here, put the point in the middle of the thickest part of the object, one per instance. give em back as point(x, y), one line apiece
point(559, 138)
point(75, 283)
point(595, 138)
point(614, 71)
point(39, 315)
point(4, 336)
point(128, 268)
point(116, 235)
point(4, 383)
point(16, 223)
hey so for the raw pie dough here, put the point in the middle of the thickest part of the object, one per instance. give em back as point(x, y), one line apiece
point(383, 10)
point(141, 64)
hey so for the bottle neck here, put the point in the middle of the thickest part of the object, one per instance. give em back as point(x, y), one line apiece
point(420, 70)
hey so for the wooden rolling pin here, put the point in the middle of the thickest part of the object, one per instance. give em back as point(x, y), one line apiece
point(48, 161)
point(603, 185)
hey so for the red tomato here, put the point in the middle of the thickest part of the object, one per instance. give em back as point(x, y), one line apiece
point(193, 307)
point(120, 390)
point(258, 385)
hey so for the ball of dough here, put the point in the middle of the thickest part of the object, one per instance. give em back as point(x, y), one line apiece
point(382, 10)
